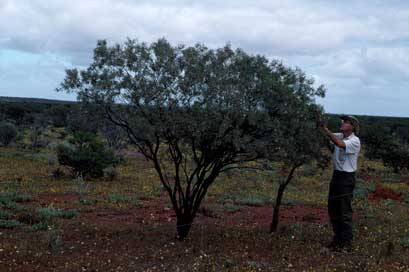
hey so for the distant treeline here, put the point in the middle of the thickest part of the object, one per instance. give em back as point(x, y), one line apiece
point(33, 111)
point(398, 126)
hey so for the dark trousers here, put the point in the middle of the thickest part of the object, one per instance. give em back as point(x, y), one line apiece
point(339, 206)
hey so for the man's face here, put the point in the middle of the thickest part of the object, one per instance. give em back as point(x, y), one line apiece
point(346, 126)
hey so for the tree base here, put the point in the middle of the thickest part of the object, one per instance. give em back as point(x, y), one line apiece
point(182, 230)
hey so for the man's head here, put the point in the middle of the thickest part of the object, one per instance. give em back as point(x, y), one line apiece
point(349, 124)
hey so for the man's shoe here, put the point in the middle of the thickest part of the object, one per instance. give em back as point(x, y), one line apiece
point(342, 248)
point(332, 245)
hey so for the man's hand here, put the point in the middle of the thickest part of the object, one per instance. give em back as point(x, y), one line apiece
point(319, 122)
point(321, 126)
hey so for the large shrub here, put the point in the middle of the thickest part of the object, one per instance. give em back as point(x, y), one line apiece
point(8, 133)
point(193, 112)
point(86, 155)
point(396, 157)
point(383, 144)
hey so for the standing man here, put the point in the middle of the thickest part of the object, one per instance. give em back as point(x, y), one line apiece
point(344, 156)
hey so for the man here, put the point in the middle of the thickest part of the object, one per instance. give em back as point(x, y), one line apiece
point(346, 147)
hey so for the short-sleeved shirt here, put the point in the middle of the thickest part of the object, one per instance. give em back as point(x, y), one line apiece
point(346, 159)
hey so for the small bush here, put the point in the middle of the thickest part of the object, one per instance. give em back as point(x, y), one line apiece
point(9, 224)
point(9, 201)
point(389, 147)
point(88, 201)
point(57, 173)
point(8, 133)
point(15, 197)
point(68, 214)
point(404, 242)
point(5, 215)
point(51, 212)
point(231, 207)
point(363, 189)
point(21, 197)
point(86, 155)
point(48, 212)
point(252, 201)
point(39, 226)
point(116, 197)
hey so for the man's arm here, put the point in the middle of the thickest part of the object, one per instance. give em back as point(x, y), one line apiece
point(334, 138)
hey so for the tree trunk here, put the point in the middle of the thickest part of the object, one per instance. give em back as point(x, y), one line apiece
point(274, 222)
point(280, 193)
point(183, 226)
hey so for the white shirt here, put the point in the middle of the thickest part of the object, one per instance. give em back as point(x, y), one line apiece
point(346, 159)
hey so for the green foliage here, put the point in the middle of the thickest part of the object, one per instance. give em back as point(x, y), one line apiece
point(252, 200)
point(231, 207)
point(39, 226)
point(363, 189)
point(117, 197)
point(404, 242)
point(4, 215)
point(84, 118)
point(86, 155)
point(50, 212)
point(14, 197)
point(9, 224)
point(382, 144)
point(8, 133)
point(37, 135)
point(59, 114)
point(11, 200)
point(15, 112)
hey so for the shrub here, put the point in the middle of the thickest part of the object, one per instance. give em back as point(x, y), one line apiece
point(9, 224)
point(8, 133)
point(253, 201)
point(57, 173)
point(4, 215)
point(51, 212)
point(111, 173)
point(39, 226)
point(8, 200)
point(86, 155)
point(231, 207)
point(396, 157)
point(115, 197)
point(390, 148)
point(37, 137)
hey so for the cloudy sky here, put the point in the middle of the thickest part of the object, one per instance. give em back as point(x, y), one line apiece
point(358, 49)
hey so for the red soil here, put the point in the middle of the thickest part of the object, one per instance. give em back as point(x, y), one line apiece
point(107, 238)
point(384, 193)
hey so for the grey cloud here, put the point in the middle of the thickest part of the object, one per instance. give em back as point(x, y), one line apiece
point(355, 48)
point(273, 27)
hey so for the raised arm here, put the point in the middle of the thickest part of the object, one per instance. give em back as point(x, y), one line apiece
point(334, 138)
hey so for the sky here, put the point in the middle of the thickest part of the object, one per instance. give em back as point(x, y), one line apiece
point(358, 49)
